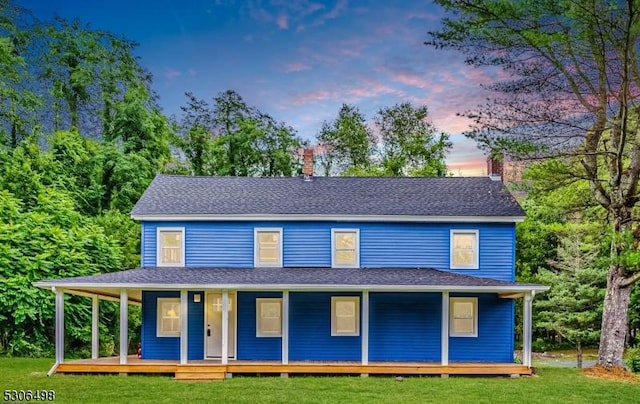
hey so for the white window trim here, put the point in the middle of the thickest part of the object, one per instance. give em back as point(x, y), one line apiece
point(333, 247)
point(476, 256)
point(474, 301)
point(256, 261)
point(334, 300)
point(259, 302)
point(159, 331)
point(159, 230)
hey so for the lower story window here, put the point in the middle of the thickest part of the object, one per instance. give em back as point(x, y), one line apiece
point(168, 322)
point(269, 317)
point(463, 316)
point(345, 315)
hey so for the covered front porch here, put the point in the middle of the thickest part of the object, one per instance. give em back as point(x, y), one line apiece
point(369, 285)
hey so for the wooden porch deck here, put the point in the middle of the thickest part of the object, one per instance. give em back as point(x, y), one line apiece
point(214, 370)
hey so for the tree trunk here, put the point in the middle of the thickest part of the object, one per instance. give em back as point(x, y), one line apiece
point(579, 355)
point(614, 320)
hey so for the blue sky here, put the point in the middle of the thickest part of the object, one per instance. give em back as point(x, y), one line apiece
point(296, 60)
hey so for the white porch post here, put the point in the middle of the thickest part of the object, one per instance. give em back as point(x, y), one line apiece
point(285, 327)
point(124, 326)
point(95, 327)
point(365, 327)
point(526, 329)
point(225, 327)
point(184, 326)
point(444, 343)
point(59, 326)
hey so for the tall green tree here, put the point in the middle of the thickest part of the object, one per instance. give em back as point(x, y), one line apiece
point(18, 102)
point(347, 141)
point(409, 143)
point(573, 306)
point(573, 90)
point(85, 73)
point(232, 138)
point(197, 128)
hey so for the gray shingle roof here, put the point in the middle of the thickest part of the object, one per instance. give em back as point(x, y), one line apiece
point(450, 196)
point(312, 277)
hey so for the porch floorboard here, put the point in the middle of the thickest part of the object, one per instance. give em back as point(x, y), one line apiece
point(214, 369)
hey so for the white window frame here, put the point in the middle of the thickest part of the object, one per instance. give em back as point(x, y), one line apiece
point(452, 301)
point(259, 302)
point(159, 232)
point(334, 318)
point(333, 248)
point(476, 256)
point(167, 300)
point(256, 246)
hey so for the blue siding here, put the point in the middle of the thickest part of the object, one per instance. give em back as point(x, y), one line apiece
point(230, 244)
point(428, 245)
point(307, 244)
point(495, 332)
point(154, 347)
point(310, 329)
point(405, 326)
point(402, 327)
point(196, 327)
point(251, 347)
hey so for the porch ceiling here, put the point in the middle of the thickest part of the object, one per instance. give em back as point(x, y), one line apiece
point(302, 279)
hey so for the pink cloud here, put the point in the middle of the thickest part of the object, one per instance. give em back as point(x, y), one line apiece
point(296, 67)
point(470, 168)
point(384, 29)
point(418, 15)
point(372, 89)
point(312, 96)
point(335, 12)
point(340, 6)
point(354, 94)
point(418, 82)
point(171, 74)
point(349, 52)
point(282, 21)
point(313, 7)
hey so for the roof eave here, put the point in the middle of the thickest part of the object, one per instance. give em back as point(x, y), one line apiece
point(294, 287)
point(321, 217)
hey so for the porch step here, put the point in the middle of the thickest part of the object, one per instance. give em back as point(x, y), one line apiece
point(200, 372)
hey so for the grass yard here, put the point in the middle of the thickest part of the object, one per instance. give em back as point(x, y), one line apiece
point(552, 385)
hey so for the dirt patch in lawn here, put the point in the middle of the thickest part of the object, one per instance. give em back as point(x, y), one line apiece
point(617, 374)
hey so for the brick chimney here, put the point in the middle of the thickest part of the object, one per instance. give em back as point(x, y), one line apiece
point(307, 167)
point(495, 167)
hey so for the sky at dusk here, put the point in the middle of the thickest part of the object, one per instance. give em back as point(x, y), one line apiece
point(295, 60)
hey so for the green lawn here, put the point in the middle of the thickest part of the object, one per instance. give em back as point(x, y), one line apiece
point(552, 385)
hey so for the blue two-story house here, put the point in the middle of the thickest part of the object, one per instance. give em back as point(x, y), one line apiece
point(321, 270)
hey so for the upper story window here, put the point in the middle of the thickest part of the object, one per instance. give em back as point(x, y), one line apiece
point(463, 317)
point(268, 248)
point(464, 249)
point(168, 321)
point(170, 242)
point(345, 248)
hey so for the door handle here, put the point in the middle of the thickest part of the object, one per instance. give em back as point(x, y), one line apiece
point(208, 332)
